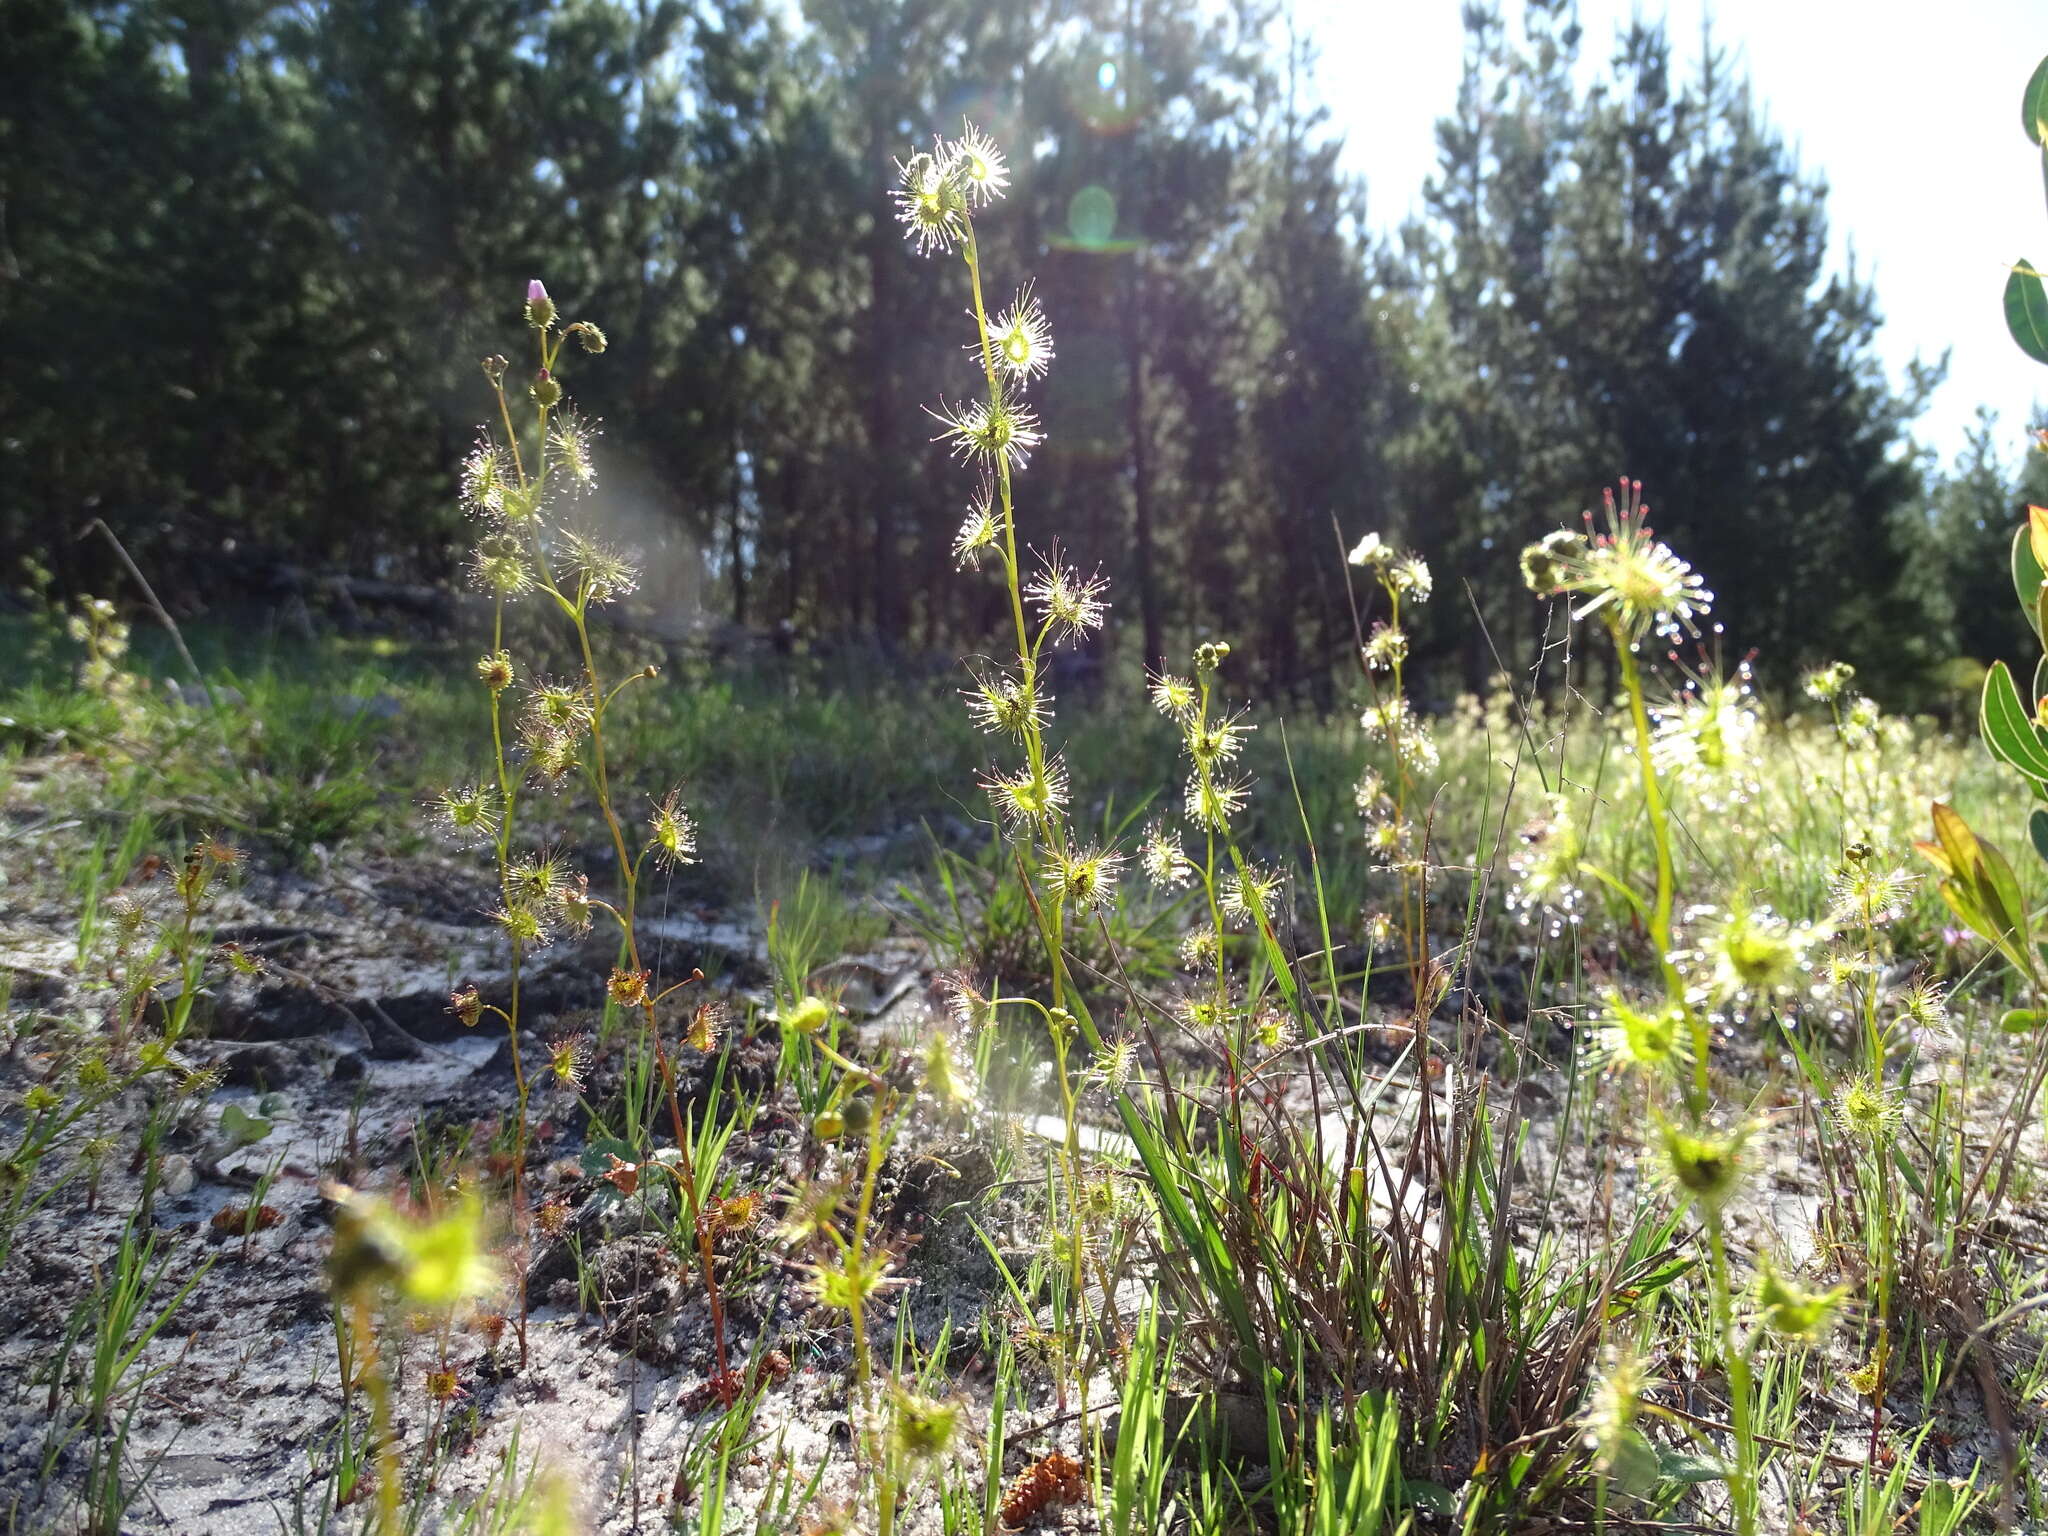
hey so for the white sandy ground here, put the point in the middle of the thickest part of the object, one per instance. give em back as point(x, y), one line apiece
point(240, 1404)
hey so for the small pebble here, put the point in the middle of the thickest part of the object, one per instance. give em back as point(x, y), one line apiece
point(176, 1176)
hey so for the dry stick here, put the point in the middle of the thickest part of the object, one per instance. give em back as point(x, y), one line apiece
point(177, 637)
point(156, 607)
point(1997, 1408)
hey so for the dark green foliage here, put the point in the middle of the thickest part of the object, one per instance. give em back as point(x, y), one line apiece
point(1634, 279)
point(252, 253)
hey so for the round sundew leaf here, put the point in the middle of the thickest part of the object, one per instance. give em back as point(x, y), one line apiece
point(241, 1127)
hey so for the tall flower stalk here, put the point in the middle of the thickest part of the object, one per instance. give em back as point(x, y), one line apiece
point(937, 196)
point(1385, 803)
point(522, 487)
point(1618, 571)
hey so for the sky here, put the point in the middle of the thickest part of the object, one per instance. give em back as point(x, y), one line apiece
point(1908, 108)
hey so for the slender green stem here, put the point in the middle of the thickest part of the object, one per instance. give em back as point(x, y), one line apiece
point(1742, 1481)
point(1051, 914)
point(381, 1436)
point(864, 1371)
point(1658, 816)
point(506, 795)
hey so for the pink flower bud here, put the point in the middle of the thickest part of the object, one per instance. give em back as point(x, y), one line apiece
point(540, 309)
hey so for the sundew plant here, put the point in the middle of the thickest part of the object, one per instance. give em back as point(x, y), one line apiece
point(547, 736)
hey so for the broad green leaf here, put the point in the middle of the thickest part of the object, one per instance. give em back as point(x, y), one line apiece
point(1634, 1463)
point(2037, 534)
point(241, 1127)
point(2021, 1021)
point(1983, 891)
point(2008, 725)
point(2034, 105)
point(1997, 895)
point(1434, 1497)
point(2026, 579)
point(1938, 1510)
point(2037, 833)
point(2026, 310)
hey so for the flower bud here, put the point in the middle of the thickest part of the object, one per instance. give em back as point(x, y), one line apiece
point(1791, 1311)
point(829, 1126)
point(1547, 564)
point(540, 309)
point(494, 671)
point(810, 1016)
point(592, 338)
point(923, 1428)
point(546, 391)
point(1705, 1165)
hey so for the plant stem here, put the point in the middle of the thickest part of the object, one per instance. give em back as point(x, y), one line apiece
point(1742, 1480)
point(1660, 839)
point(1052, 916)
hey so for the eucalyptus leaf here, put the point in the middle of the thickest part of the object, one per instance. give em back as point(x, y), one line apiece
point(2034, 105)
point(2026, 579)
point(2026, 311)
point(2008, 725)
